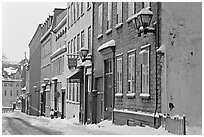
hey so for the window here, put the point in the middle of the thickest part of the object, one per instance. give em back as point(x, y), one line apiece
point(119, 13)
point(17, 93)
point(4, 92)
point(145, 70)
point(82, 8)
point(108, 66)
point(78, 93)
point(70, 90)
point(11, 84)
point(119, 76)
point(88, 5)
point(131, 72)
point(77, 9)
point(78, 42)
point(109, 15)
point(132, 9)
point(71, 51)
point(72, 14)
point(89, 83)
point(74, 11)
point(100, 16)
point(5, 84)
point(82, 39)
point(89, 39)
point(10, 92)
point(73, 92)
point(75, 45)
point(69, 48)
point(68, 18)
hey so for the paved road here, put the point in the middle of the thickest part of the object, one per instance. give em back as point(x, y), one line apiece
point(18, 126)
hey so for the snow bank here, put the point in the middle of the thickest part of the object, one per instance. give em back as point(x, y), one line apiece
point(127, 130)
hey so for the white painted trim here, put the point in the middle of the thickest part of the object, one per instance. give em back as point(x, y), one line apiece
point(118, 25)
point(144, 95)
point(108, 31)
point(118, 94)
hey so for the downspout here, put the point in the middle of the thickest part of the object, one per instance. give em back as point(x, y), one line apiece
point(92, 64)
point(157, 43)
point(113, 96)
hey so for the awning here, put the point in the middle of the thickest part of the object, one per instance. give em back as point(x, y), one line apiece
point(76, 76)
point(108, 44)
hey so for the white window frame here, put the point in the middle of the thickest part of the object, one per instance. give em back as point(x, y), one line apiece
point(82, 38)
point(100, 19)
point(119, 15)
point(119, 75)
point(109, 19)
point(131, 67)
point(145, 71)
point(90, 39)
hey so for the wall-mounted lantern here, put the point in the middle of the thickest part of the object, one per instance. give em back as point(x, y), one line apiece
point(143, 21)
point(84, 54)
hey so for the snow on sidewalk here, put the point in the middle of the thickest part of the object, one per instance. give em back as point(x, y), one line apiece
point(72, 126)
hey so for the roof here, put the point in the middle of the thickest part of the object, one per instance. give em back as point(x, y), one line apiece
point(10, 70)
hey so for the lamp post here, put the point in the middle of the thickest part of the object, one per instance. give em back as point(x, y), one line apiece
point(85, 56)
point(63, 95)
point(43, 99)
point(23, 100)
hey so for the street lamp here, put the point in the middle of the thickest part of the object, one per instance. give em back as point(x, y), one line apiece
point(84, 54)
point(142, 22)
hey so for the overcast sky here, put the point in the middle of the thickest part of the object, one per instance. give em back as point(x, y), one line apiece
point(19, 23)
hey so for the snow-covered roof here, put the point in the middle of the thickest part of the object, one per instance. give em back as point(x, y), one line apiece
point(10, 70)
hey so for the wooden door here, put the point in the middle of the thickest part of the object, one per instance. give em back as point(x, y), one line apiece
point(108, 89)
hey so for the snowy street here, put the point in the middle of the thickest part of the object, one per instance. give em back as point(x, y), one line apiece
point(18, 123)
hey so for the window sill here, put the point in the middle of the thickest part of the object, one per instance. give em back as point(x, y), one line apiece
point(68, 101)
point(118, 25)
point(145, 95)
point(108, 31)
point(130, 95)
point(100, 36)
point(119, 95)
point(129, 19)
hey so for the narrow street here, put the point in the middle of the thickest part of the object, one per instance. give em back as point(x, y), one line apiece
point(18, 126)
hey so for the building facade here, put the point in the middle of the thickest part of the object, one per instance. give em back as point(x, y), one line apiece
point(11, 90)
point(58, 63)
point(35, 72)
point(182, 61)
point(79, 35)
point(125, 64)
point(46, 51)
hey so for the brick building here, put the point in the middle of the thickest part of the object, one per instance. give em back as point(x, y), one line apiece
point(125, 64)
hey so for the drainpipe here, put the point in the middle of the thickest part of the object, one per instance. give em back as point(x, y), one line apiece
point(93, 88)
point(157, 43)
